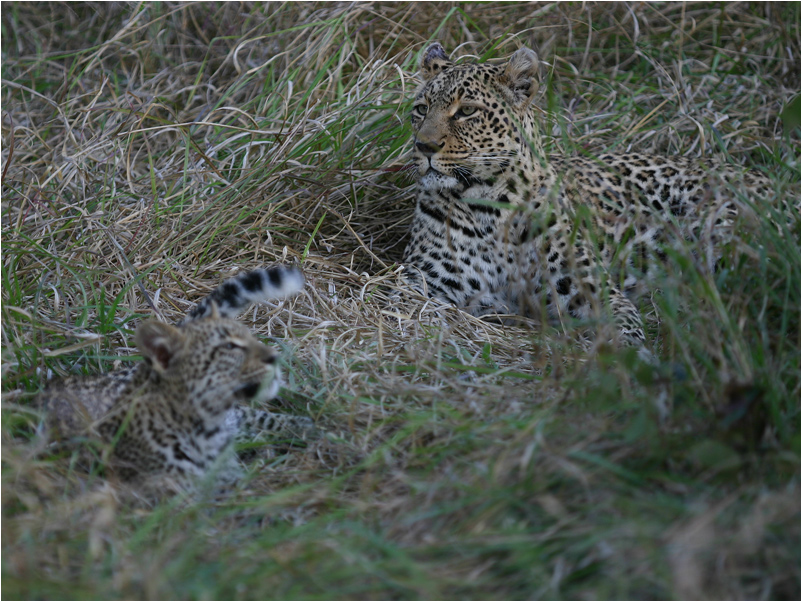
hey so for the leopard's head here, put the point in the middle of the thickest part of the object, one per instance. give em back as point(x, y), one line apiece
point(471, 120)
point(213, 362)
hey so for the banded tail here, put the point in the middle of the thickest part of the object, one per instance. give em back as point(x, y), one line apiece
point(236, 294)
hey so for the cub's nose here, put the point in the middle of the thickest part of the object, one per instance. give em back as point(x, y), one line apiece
point(267, 355)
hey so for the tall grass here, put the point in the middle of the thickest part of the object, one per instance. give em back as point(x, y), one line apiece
point(150, 150)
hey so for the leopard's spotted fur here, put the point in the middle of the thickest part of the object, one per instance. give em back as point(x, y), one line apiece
point(499, 226)
point(176, 412)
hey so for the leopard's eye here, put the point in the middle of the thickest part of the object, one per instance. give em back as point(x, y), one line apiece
point(466, 111)
point(230, 346)
point(420, 110)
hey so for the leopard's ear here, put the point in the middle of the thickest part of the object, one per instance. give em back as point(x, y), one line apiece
point(434, 61)
point(159, 343)
point(521, 76)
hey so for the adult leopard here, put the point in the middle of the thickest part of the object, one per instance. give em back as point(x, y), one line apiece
point(501, 227)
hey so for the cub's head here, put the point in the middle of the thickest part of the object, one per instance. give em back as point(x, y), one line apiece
point(214, 361)
point(471, 120)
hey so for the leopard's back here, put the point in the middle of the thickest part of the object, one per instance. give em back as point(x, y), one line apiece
point(643, 204)
point(75, 403)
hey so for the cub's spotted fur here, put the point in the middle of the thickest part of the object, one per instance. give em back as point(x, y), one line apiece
point(176, 412)
point(499, 226)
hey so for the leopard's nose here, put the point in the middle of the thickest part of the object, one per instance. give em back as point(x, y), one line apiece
point(267, 354)
point(428, 148)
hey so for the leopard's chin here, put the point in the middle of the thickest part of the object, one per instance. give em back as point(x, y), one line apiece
point(268, 388)
point(438, 180)
point(248, 391)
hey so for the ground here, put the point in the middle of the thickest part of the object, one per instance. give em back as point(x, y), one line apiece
point(149, 151)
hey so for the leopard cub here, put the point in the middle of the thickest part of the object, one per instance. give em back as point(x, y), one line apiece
point(176, 413)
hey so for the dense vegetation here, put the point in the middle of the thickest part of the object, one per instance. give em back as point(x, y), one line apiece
point(149, 150)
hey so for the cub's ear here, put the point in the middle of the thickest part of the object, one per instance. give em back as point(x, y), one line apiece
point(434, 61)
point(160, 344)
point(521, 76)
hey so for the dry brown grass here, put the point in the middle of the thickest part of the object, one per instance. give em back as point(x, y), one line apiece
point(151, 150)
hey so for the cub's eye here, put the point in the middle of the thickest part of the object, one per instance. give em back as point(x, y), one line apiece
point(420, 109)
point(466, 111)
point(230, 346)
